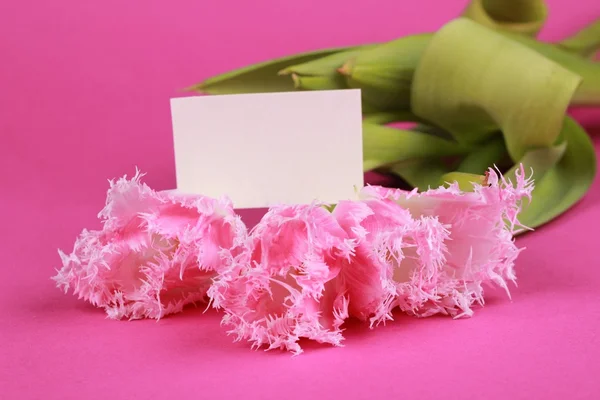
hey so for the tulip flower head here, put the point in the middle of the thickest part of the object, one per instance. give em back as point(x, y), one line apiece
point(478, 248)
point(397, 258)
point(285, 286)
point(156, 251)
point(303, 270)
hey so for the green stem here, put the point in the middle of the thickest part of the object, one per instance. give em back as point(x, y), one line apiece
point(586, 42)
point(483, 157)
point(327, 82)
point(382, 118)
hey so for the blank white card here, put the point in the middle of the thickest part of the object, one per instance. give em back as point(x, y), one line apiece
point(269, 148)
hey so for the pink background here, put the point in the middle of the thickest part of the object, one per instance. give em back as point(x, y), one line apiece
point(84, 97)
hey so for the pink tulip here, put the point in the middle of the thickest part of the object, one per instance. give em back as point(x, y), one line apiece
point(459, 242)
point(302, 271)
point(156, 252)
point(396, 261)
point(284, 286)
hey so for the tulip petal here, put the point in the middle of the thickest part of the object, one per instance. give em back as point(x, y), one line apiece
point(284, 286)
point(479, 247)
point(156, 253)
point(396, 260)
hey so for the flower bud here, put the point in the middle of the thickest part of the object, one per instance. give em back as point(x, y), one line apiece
point(384, 73)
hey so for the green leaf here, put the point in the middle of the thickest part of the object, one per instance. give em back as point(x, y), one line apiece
point(384, 73)
point(389, 117)
point(562, 183)
point(586, 42)
point(588, 93)
point(484, 156)
point(539, 161)
point(464, 180)
point(422, 174)
point(384, 145)
point(326, 65)
point(520, 16)
point(318, 82)
point(262, 77)
point(330, 82)
point(473, 81)
point(428, 128)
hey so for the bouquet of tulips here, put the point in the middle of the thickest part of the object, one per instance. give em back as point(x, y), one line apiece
point(482, 92)
point(489, 102)
point(304, 269)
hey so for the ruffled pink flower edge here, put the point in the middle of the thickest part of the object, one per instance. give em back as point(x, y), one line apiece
point(156, 252)
point(303, 270)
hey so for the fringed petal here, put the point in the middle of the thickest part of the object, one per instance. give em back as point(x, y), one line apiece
point(479, 248)
point(302, 271)
point(157, 251)
point(284, 286)
point(396, 261)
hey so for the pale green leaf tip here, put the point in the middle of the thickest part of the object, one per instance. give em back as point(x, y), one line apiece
point(346, 69)
point(285, 71)
point(296, 80)
point(194, 88)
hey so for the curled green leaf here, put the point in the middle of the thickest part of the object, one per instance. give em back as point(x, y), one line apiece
point(563, 174)
point(519, 16)
point(588, 92)
point(539, 161)
point(474, 87)
point(385, 72)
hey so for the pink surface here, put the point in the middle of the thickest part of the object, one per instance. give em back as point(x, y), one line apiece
point(84, 96)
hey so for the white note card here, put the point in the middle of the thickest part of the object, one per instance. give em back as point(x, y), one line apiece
point(270, 148)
